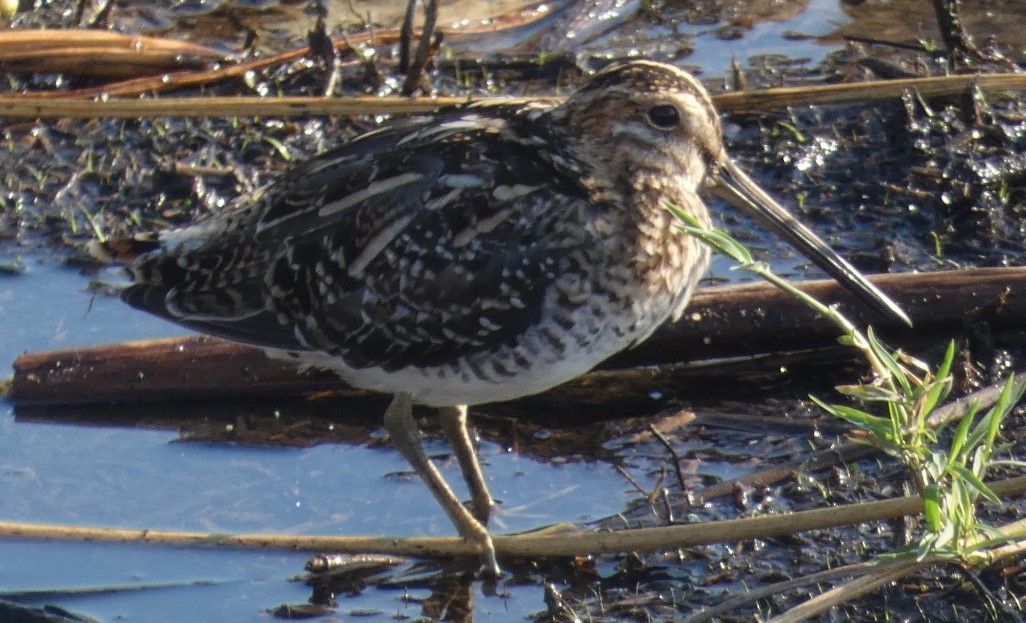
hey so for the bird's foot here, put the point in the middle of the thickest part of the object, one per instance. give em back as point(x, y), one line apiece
point(490, 570)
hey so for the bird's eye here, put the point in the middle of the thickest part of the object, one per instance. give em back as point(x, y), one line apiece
point(664, 116)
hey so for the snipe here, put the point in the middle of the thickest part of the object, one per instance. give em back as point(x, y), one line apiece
point(476, 255)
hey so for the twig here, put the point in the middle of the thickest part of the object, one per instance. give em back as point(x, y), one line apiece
point(415, 70)
point(956, 40)
point(673, 455)
point(876, 90)
point(534, 544)
point(849, 591)
point(743, 599)
point(954, 410)
point(633, 482)
point(64, 105)
point(406, 36)
point(321, 47)
point(222, 106)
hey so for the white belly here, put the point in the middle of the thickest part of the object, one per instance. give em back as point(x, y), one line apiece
point(548, 354)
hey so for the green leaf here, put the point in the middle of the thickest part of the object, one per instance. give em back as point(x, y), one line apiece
point(932, 508)
point(887, 358)
point(974, 481)
point(718, 239)
point(1011, 394)
point(936, 466)
point(822, 405)
point(997, 536)
point(944, 369)
point(979, 428)
point(280, 147)
point(909, 360)
point(869, 393)
point(900, 553)
point(980, 461)
point(899, 418)
point(962, 501)
point(878, 426)
point(945, 536)
point(959, 438)
point(679, 212)
point(926, 546)
point(936, 392)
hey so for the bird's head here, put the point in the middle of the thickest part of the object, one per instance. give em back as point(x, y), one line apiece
point(642, 118)
point(649, 127)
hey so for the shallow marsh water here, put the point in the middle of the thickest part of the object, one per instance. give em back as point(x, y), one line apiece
point(139, 478)
point(98, 475)
point(132, 478)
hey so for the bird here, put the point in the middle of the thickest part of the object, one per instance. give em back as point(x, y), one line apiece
point(476, 254)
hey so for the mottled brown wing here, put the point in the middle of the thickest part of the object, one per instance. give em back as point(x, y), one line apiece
point(414, 245)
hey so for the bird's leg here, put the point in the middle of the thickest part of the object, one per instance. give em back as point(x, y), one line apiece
point(454, 423)
point(406, 438)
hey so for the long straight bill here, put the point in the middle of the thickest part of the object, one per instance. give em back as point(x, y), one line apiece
point(733, 185)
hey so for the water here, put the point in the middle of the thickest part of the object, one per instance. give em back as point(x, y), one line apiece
point(136, 478)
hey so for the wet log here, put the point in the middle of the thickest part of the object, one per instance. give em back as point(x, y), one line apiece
point(722, 322)
point(745, 320)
